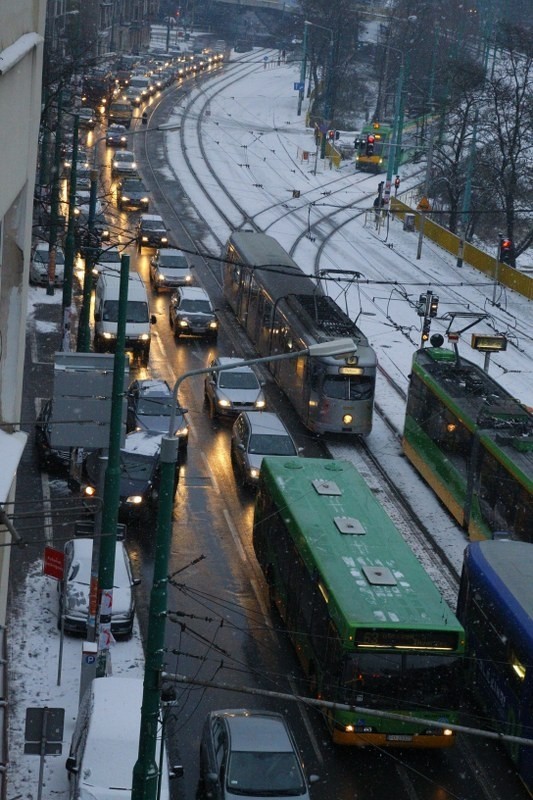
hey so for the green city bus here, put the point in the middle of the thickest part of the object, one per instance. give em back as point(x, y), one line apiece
point(369, 626)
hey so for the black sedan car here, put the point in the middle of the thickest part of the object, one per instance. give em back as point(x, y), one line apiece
point(151, 232)
point(139, 476)
point(150, 405)
point(116, 136)
point(132, 194)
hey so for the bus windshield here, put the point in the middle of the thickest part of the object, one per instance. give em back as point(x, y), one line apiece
point(402, 678)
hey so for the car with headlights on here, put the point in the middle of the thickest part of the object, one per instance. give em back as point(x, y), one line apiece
point(169, 269)
point(132, 195)
point(139, 476)
point(123, 164)
point(151, 232)
point(230, 391)
point(150, 404)
point(190, 313)
point(116, 135)
point(40, 262)
point(247, 753)
point(75, 586)
point(256, 434)
point(87, 118)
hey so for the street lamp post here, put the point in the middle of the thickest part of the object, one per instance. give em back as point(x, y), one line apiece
point(146, 769)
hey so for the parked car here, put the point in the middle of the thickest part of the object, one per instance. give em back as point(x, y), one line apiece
point(132, 194)
point(51, 459)
point(169, 269)
point(150, 404)
point(40, 262)
point(256, 434)
point(139, 475)
point(151, 232)
point(231, 391)
point(248, 753)
point(190, 313)
point(123, 164)
point(74, 589)
point(87, 117)
point(116, 136)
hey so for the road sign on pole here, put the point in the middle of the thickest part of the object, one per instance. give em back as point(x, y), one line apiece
point(54, 563)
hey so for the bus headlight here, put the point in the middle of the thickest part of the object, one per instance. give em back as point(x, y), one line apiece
point(347, 419)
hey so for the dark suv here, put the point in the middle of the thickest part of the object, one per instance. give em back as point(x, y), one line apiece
point(190, 313)
point(151, 232)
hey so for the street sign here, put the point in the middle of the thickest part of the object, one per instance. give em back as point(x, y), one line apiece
point(298, 86)
point(265, 58)
point(54, 563)
point(424, 204)
point(43, 733)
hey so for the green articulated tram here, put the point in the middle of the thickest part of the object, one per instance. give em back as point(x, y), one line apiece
point(472, 442)
point(369, 626)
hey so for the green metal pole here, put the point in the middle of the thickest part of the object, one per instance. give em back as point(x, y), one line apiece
point(84, 333)
point(111, 498)
point(327, 99)
point(146, 770)
point(303, 70)
point(69, 241)
point(398, 149)
point(394, 138)
point(43, 164)
point(54, 204)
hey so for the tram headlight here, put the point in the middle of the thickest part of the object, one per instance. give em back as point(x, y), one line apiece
point(447, 732)
point(349, 728)
point(347, 419)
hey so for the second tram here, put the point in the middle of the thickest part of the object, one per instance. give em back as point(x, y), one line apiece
point(368, 624)
point(283, 310)
point(472, 442)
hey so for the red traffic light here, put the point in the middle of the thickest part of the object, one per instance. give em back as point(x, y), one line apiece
point(506, 253)
point(370, 144)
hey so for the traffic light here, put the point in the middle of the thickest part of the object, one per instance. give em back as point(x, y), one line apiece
point(333, 134)
point(421, 305)
point(370, 139)
point(433, 305)
point(506, 253)
point(426, 329)
point(358, 143)
point(397, 182)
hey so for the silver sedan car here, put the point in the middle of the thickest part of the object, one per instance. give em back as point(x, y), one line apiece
point(232, 391)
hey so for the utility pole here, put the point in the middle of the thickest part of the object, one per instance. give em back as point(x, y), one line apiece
point(108, 536)
point(463, 219)
point(54, 203)
point(394, 137)
point(303, 70)
point(69, 241)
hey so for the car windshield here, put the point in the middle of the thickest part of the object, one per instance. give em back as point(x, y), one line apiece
point(195, 306)
point(136, 465)
point(268, 445)
point(133, 186)
point(124, 157)
point(238, 380)
point(152, 225)
point(110, 257)
point(155, 406)
point(44, 256)
point(264, 774)
point(137, 311)
point(173, 262)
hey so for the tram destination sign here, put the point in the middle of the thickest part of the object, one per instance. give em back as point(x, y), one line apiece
point(488, 343)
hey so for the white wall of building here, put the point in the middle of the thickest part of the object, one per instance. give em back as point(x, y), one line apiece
point(21, 51)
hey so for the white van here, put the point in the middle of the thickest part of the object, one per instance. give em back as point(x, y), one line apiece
point(105, 742)
point(138, 319)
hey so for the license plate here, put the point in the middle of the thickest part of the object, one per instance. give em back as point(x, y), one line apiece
point(399, 737)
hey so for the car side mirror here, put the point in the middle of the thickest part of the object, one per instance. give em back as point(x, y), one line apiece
point(314, 778)
point(153, 319)
point(71, 765)
point(300, 450)
point(136, 582)
point(97, 316)
point(240, 446)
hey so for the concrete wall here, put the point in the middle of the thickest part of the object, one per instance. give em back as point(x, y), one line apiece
point(21, 48)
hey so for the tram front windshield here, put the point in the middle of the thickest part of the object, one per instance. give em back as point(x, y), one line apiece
point(346, 387)
point(383, 679)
